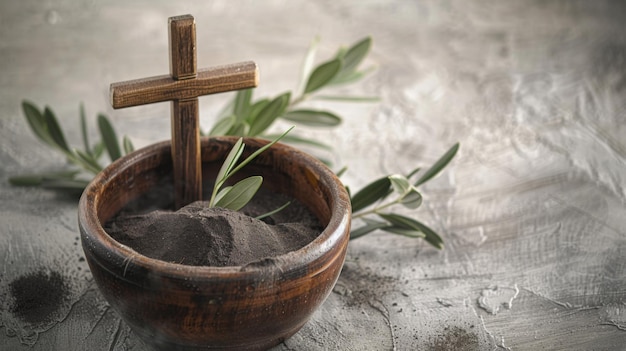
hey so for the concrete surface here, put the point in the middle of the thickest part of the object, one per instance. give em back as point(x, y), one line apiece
point(533, 210)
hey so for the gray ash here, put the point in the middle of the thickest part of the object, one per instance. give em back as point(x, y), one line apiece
point(38, 295)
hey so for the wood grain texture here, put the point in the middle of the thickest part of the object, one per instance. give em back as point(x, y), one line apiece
point(165, 88)
point(182, 35)
point(186, 152)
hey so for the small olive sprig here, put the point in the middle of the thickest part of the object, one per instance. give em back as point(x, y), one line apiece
point(84, 163)
point(377, 217)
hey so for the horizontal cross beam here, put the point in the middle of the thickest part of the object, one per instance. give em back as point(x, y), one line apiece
point(165, 88)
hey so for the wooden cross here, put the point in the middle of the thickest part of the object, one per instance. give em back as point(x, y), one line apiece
point(183, 87)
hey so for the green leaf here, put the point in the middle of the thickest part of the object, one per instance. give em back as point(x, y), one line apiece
point(431, 237)
point(242, 104)
point(227, 110)
point(88, 160)
point(352, 77)
point(54, 130)
point(341, 52)
point(399, 221)
point(409, 223)
point(26, 180)
point(322, 75)
point(37, 179)
point(347, 98)
point(109, 137)
point(355, 55)
point(240, 193)
point(314, 118)
point(221, 194)
point(403, 231)
point(294, 139)
point(223, 126)
point(307, 65)
point(37, 122)
point(256, 108)
point(366, 229)
point(269, 113)
point(341, 171)
point(83, 129)
point(370, 194)
point(239, 129)
point(270, 213)
point(439, 165)
point(259, 151)
point(399, 183)
point(230, 161)
point(412, 200)
point(128, 145)
point(72, 185)
point(98, 150)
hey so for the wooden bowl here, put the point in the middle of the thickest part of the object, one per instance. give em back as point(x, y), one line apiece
point(173, 306)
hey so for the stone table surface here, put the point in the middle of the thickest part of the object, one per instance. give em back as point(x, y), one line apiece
point(532, 210)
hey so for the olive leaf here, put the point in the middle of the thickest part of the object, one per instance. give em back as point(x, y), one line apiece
point(242, 103)
point(256, 108)
point(83, 129)
point(37, 122)
point(408, 223)
point(240, 129)
point(269, 113)
point(46, 128)
point(109, 137)
point(315, 118)
point(240, 194)
point(412, 199)
point(370, 194)
point(307, 64)
point(127, 145)
point(347, 98)
point(293, 139)
point(352, 77)
point(411, 233)
point(230, 161)
point(400, 184)
point(274, 211)
point(37, 179)
point(88, 159)
point(439, 165)
point(352, 58)
point(366, 229)
point(407, 196)
point(98, 150)
point(223, 125)
point(322, 75)
point(54, 130)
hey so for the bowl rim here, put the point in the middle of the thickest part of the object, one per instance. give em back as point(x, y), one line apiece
point(95, 238)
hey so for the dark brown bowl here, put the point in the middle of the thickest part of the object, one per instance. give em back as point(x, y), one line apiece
point(173, 306)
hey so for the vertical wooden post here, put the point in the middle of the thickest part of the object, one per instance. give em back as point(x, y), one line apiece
point(185, 116)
